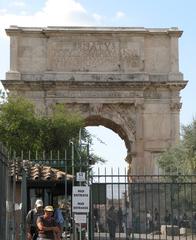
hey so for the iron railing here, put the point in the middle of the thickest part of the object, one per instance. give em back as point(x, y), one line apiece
point(3, 191)
point(144, 207)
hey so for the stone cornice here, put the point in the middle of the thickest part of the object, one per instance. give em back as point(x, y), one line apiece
point(120, 85)
point(94, 76)
point(14, 30)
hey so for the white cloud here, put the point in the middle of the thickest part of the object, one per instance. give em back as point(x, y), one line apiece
point(97, 17)
point(120, 14)
point(18, 3)
point(54, 13)
point(3, 11)
point(23, 12)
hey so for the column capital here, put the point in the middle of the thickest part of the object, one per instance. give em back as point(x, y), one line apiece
point(139, 104)
point(175, 106)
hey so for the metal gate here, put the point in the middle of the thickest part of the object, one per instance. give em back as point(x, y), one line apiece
point(3, 191)
point(143, 207)
point(127, 207)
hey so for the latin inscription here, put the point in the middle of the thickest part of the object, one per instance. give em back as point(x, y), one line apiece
point(96, 55)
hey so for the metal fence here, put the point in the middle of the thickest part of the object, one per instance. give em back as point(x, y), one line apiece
point(143, 207)
point(124, 206)
point(3, 191)
point(17, 186)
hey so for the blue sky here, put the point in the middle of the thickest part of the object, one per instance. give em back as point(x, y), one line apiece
point(131, 13)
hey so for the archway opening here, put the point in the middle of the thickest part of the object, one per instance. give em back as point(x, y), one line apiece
point(108, 145)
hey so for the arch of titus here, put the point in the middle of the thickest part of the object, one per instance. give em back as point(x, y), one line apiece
point(126, 79)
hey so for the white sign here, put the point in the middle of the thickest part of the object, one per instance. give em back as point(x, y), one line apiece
point(80, 199)
point(80, 177)
point(80, 218)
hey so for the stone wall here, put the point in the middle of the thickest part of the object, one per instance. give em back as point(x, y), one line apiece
point(126, 79)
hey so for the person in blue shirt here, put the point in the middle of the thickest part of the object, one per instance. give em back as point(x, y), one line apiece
point(58, 216)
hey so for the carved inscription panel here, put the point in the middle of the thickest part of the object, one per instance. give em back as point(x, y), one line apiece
point(92, 55)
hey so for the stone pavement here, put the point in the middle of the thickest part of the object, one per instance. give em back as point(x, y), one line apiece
point(143, 236)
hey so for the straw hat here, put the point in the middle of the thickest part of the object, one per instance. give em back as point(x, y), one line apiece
point(49, 209)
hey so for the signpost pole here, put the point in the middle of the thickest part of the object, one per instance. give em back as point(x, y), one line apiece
point(80, 205)
point(66, 221)
point(80, 171)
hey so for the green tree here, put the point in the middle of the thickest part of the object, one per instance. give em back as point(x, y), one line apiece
point(182, 157)
point(189, 142)
point(18, 124)
point(174, 160)
point(22, 129)
point(179, 164)
point(56, 130)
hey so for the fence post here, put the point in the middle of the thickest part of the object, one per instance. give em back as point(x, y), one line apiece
point(3, 191)
point(24, 204)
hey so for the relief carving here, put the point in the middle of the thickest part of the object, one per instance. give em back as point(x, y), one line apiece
point(152, 93)
point(129, 159)
point(81, 108)
point(122, 114)
point(175, 106)
point(95, 108)
point(139, 104)
point(131, 56)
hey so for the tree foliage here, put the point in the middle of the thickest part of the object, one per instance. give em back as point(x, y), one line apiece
point(180, 163)
point(57, 129)
point(174, 160)
point(23, 129)
point(189, 142)
point(182, 157)
point(18, 124)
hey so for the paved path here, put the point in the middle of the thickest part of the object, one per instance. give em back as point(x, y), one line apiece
point(143, 236)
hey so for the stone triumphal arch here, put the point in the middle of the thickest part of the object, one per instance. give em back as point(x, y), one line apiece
point(126, 79)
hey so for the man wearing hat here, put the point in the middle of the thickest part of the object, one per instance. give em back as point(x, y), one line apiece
point(48, 229)
point(31, 220)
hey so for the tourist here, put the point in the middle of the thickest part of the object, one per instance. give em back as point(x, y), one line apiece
point(156, 219)
point(112, 222)
point(149, 221)
point(47, 226)
point(167, 217)
point(96, 219)
point(127, 219)
point(58, 216)
point(31, 219)
point(120, 219)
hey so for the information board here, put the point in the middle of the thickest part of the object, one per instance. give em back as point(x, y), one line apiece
point(80, 199)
